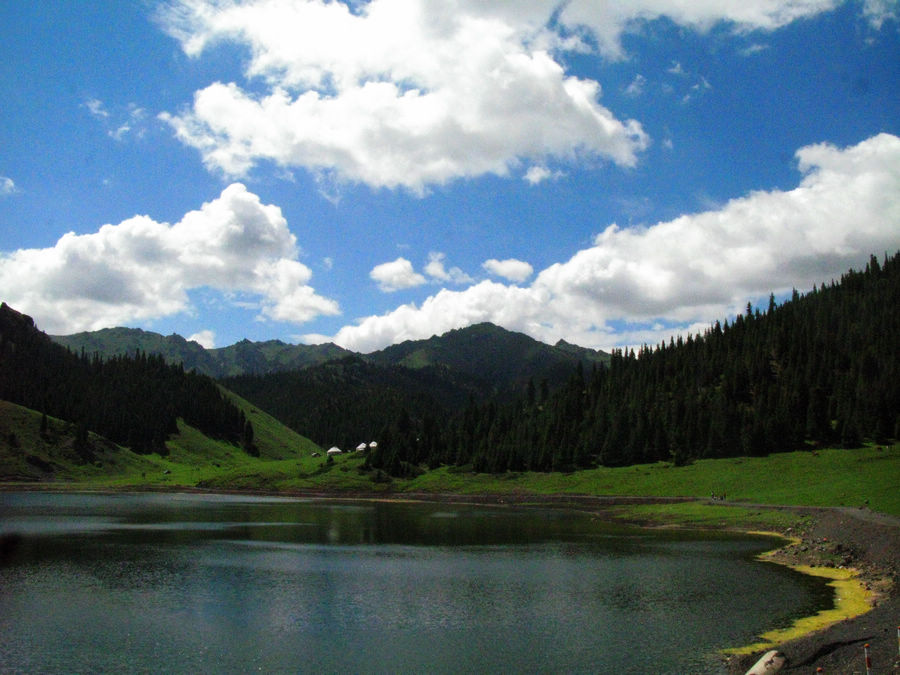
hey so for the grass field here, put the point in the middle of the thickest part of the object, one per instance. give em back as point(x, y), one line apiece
point(867, 476)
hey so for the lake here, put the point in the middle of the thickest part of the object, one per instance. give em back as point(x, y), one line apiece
point(193, 583)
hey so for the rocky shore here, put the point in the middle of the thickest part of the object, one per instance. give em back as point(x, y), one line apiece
point(851, 538)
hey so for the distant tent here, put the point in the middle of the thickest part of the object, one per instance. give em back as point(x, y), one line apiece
point(333, 451)
point(373, 445)
point(361, 447)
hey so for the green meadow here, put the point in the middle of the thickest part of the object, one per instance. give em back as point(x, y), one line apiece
point(865, 477)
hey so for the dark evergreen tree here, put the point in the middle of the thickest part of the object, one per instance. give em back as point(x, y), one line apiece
point(132, 400)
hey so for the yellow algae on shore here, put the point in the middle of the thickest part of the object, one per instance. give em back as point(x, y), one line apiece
point(851, 599)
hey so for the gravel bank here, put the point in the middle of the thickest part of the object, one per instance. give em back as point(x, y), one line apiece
point(870, 543)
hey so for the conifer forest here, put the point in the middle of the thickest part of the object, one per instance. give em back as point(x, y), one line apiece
point(819, 369)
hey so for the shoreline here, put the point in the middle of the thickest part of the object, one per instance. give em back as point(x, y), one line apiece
point(852, 598)
point(858, 549)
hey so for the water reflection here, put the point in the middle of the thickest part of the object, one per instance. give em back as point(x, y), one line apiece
point(220, 583)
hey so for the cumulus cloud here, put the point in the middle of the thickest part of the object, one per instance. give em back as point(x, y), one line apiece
point(642, 284)
point(510, 269)
point(414, 93)
point(607, 21)
point(438, 271)
point(141, 269)
point(205, 338)
point(392, 93)
point(396, 275)
point(539, 173)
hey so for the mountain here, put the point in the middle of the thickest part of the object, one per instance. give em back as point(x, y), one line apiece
point(427, 382)
point(272, 356)
point(497, 358)
point(110, 342)
point(350, 400)
point(818, 370)
point(133, 418)
point(238, 359)
point(133, 400)
point(338, 397)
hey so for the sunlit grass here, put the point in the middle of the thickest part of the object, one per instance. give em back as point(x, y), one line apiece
point(865, 477)
point(703, 514)
point(830, 477)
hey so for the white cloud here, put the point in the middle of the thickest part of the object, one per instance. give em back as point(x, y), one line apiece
point(205, 338)
point(141, 270)
point(396, 275)
point(698, 89)
point(636, 88)
point(414, 93)
point(879, 11)
point(676, 69)
point(135, 122)
point(132, 121)
point(609, 20)
point(96, 108)
point(510, 269)
point(437, 271)
point(754, 49)
point(485, 301)
point(538, 174)
point(7, 187)
point(683, 274)
point(400, 93)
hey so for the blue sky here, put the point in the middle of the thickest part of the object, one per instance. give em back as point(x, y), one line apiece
point(370, 172)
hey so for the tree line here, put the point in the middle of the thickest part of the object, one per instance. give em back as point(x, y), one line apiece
point(133, 400)
point(818, 370)
point(346, 401)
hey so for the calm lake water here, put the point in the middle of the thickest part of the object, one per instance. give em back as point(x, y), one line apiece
point(225, 584)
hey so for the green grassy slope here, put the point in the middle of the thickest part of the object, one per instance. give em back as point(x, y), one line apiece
point(833, 477)
point(28, 455)
point(274, 440)
point(866, 477)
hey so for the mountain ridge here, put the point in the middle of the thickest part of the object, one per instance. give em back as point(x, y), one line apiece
point(243, 357)
point(514, 356)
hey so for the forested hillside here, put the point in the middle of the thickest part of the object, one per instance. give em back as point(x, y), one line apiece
point(131, 400)
point(499, 359)
point(819, 369)
point(349, 401)
point(241, 358)
point(352, 400)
